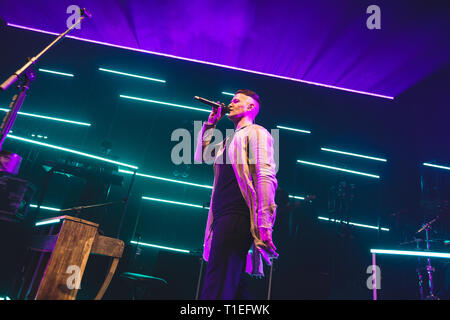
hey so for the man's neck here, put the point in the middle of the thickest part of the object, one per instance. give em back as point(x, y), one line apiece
point(245, 121)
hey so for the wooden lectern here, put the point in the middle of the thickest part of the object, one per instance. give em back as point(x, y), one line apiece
point(69, 248)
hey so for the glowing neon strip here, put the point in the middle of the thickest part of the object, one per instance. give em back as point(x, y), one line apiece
point(228, 93)
point(292, 129)
point(56, 72)
point(207, 63)
point(297, 197)
point(44, 222)
point(339, 169)
point(5, 298)
point(436, 166)
point(353, 224)
point(413, 253)
point(164, 103)
point(69, 150)
point(159, 247)
point(131, 75)
point(45, 208)
point(48, 118)
point(166, 179)
point(176, 202)
point(353, 154)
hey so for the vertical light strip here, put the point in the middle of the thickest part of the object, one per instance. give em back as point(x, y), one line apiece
point(56, 72)
point(48, 118)
point(353, 154)
point(131, 75)
point(159, 247)
point(338, 169)
point(70, 150)
point(207, 63)
point(293, 129)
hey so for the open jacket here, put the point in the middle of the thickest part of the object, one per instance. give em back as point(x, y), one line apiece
point(251, 152)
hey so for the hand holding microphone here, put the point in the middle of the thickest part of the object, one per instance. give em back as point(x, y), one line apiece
point(217, 112)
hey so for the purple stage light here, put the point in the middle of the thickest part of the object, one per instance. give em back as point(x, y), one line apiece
point(207, 63)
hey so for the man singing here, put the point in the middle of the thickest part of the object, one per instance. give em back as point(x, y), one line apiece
point(242, 210)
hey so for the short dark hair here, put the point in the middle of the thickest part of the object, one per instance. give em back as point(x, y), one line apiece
point(250, 93)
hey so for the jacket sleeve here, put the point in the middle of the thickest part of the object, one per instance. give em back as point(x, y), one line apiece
point(261, 160)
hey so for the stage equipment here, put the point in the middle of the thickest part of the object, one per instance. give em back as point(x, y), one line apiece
point(57, 257)
point(27, 76)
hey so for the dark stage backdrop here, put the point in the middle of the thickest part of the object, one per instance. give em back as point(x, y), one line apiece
point(321, 259)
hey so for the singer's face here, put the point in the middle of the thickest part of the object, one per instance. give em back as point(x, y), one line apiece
point(240, 106)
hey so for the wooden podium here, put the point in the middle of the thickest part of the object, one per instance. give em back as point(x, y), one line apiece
point(68, 242)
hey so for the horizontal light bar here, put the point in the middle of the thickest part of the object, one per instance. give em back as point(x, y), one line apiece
point(353, 154)
point(48, 118)
point(5, 298)
point(56, 72)
point(166, 179)
point(70, 150)
point(296, 197)
point(176, 202)
point(45, 208)
point(228, 93)
point(163, 103)
point(292, 129)
point(353, 224)
point(44, 222)
point(206, 62)
point(413, 253)
point(131, 75)
point(436, 166)
point(338, 169)
point(159, 247)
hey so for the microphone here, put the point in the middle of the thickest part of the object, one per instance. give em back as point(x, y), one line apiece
point(214, 105)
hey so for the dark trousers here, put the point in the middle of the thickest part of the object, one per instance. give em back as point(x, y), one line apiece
point(225, 277)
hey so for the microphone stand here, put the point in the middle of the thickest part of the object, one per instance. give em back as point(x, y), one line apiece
point(27, 75)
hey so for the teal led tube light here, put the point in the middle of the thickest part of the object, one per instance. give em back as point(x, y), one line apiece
point(354, 224)
point(339, 169)
point(131, 75)
point(56, 72)
point(44, 207)
point(175, 202)
point(425, 254)
point(353, 154)
point(69, 150)
point(166, 179)
point(293, 129)
point(49, 118)
point(164, 103)
point(228, 93)
point(435, 166)
point(296, 197)
point(49, 221)
point(159, 247)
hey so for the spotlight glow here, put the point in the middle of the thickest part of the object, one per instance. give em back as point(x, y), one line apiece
point(48, 118)
point(176, 202)
point(338, 169)
point(131, 75)
point(164, 103)
point(435, 166)
point(159, 247)
point(166, 179)
point(353, 224)
point(353, 154)
point(292, 129)
point(56, 72)
point(70, 150)
point(413, 253)
point(206, 62)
